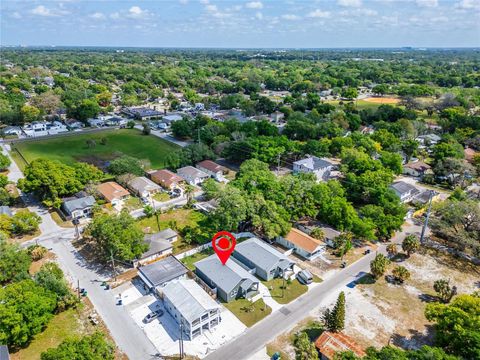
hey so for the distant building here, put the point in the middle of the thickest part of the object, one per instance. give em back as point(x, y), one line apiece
point(405, 191)
point(192, 176)
point(78, 207)
point(329, 343)
point(190, 306)
point(159, 273)
point(206, 206)
point(268, 262)
point(169, 119)
point(159, 244)
point(44, 128)
point(213, 169)
point(302, 244)
point(143, 187)
point(167, 179)
point(231, 280)
point(141, 113)
point(320, 167)
point(112, 192)
point(11, 130)
point(5, 210)
point(416, 168)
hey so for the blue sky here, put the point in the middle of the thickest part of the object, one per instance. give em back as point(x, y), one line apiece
point(215, 23)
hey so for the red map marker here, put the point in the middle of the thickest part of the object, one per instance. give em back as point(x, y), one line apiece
point(223, 243)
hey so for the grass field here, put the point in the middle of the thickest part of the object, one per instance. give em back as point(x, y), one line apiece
point(70, 149)
point(247, 312)
point(290, 293)
point(189, 261)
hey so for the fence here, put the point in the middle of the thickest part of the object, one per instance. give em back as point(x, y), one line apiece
point(60, 135)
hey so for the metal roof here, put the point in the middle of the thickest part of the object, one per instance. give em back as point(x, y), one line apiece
point(314, 163)
point(262, 255)
point(225, 277)
point(163, 270)
point(189, 299)
point(401, 187)
point(190, 171)
point(156, 244)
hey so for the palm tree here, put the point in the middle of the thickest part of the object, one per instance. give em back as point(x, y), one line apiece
point(400, 273)
point(189, 190)
point(392, 250)
point(410, 244)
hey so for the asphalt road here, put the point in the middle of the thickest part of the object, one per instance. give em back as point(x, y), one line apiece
point(282, 321)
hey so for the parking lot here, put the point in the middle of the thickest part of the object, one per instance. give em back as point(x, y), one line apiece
point(164, 331)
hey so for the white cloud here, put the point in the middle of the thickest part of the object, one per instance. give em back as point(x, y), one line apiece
point(136, 12)
point(183, 2)
point(259, 15)
point(215, 12)
point(115, 15)
point(427, 3)
point(367, 12)
point(97, 16)
point(468, 5)
point(41, 10)
point(254, 5)
point(319, 14)
point(290, 17)
point(16, 15)
point(350, 3)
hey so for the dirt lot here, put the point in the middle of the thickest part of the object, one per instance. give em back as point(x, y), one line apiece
point(382, 100)
point(379, 312)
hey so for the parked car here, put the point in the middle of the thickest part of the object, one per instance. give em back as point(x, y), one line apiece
point(305, 277)
point(152, 316)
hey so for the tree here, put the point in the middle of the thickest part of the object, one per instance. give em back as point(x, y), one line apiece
point(444, 291)
point(400, 274)
point(189, 192)
point(182, 129)
point(335, 318)
point(25, 222)
point(4, 162)
point(349, 93)
point(304, 348)
point(116, 235)
point(51, 180)
point(211, 189)
point(343, 243)
point(458, 224)
point(378, 266)
point(130, 124)
point(457, 325)
point(14, 262)
point(90, 347)
point(318, 233)
point(410, 244)
point(126, 165)
point(30, 113)
point(392, 250)
point(87, 109)
point(25, 309)
point(146, 129)
point(47, 102)
point(50, 277)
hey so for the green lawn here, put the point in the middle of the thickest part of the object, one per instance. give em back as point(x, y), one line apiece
point(181, 218)
point(70, 149)
point(161, 196)
point(247, 312)
point(62, 326)
point(189, 261)
point(292, 290)
point(133, 203)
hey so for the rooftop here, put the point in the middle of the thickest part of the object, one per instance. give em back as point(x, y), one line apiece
point(72, 204)
point(163, 270)
point(418, 165)
point(189, 299)
point(211, 166)
point(262, 254)
point(314, 163)
point(165, 177)
point(403, 187)
point(157, 242)
point(303, 241)
point(192, 172)
point(111, 190)
point(225, 276)
point(141, 183)
point(142, 111)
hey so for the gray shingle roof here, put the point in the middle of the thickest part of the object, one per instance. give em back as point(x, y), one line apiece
point(314, 163)
point(155, 245)
point(227, 276)
point(163, 270)
point(262, 255)
point(190, 171)
point(70, 205)
point(401, 187)
point(189, 299)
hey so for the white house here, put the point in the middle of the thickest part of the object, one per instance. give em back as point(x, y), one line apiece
point(302, 244)
point(43, 128)
point(405, 191)
point(192, 176)
point(213, 169)
point(143, 187)
point(321, 167)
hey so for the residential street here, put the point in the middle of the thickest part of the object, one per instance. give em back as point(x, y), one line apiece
point(165, 136)
point(282, 321)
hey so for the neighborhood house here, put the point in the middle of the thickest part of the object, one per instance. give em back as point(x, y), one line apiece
point(190, 306)
point(267, 262)
point(321, 167)
point(213, 169)
point(112, 192)
point(143, 187)
point(192, 176)
point(329, 343)
point(416, 168)
point(159, 244)
point(231, 280)
point(159, 273)
point(166, 179)
point(405, 191)
point(78, 207)
point(302, 244)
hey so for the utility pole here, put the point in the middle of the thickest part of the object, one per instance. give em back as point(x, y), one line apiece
point(424, 228)
point(78, 289)
point(113, 265)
